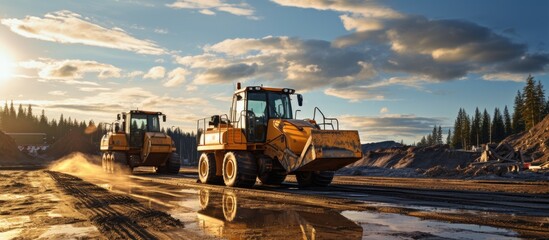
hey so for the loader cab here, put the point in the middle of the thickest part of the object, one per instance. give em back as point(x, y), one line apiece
point(253, 107)
point(137, 123)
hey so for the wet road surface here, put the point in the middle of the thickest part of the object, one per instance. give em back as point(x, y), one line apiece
point(286, 212)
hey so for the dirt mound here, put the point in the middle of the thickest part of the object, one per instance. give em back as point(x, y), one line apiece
point(380, 145)
point(74, 141)
point(416, 157)
point(534, 143)
point(9, 153)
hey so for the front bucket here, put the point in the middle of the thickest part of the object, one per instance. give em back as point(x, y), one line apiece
point(327, 150)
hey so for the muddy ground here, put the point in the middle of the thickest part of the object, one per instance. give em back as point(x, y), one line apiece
point(73, 199)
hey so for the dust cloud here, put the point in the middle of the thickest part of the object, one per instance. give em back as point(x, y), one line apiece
point(82, 165)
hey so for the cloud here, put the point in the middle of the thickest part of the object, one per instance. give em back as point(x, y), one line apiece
point(390, 127)
point(57, 93)
point(70, 69)
point(68, 27)
point(358, 7)
point(176, 77)
point(135, 74)
point(209, 7)
point(93, 89)
point(384, 110)
point(284, 61)
point(155, 73)
point(504, 77)
point(161, 31)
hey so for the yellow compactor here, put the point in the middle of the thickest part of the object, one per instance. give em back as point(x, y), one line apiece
point(260, 138)
point(138, 141)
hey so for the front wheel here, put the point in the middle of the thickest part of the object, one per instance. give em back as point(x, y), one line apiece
point(239, 169)
point(207, 169)
point(314, 179)
point(171, 166)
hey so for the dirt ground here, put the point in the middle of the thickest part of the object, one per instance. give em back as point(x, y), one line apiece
point(74, 199)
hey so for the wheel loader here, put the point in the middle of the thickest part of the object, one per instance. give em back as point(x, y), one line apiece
point(261, 138)
point(136, 140)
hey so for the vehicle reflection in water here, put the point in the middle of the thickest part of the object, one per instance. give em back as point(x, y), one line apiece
point(227, 216)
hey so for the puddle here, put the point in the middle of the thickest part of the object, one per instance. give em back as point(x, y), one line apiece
point(225, 214)
point(228, 216)
point(68, 231)
point(395, 226)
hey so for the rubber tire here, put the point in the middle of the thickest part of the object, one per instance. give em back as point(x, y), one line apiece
point(314, 179)
point(273, 177)
point(239, 169)
point(110, 164)
point(104, 162)
point(207, 169)
point(171, 166)
point(120, 163)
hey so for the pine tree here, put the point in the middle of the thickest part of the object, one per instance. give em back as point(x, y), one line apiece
point(518, 120)
point(449, 137)
point(498, 127)
point(475, 128)
point(507, 122)
point(439, 136)
point(485, 128)
point(532, 105)
point(540, 93)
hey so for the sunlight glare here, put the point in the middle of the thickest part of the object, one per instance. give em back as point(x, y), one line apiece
point(6, 65)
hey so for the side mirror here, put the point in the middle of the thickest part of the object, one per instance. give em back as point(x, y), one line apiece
point(164, 118)
point(118, 116)
point(238, 97)
point(300, 100)
point(124, 116)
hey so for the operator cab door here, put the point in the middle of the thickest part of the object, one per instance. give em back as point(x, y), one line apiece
point(249, 114)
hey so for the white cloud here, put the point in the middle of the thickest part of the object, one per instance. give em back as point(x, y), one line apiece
point(208, 7)
point(68, 27)
point(156, 73)
point(161, 31)
point(93, 89)
point(384, 110)
point(57, 93)
point(135, 74)
point(504, 77)
point(70, 69)
point(363, 8)
point(176, 77)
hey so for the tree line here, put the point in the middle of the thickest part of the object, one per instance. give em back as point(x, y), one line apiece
point(23, 120)
point(530, 107)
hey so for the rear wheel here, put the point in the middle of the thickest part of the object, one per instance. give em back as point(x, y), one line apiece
point(104, 162)
point(314, 179)
point(239, 169)
point(207, 169)
point(120, 163)
point(171, 166)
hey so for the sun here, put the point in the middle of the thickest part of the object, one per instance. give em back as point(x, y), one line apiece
point(6, 66)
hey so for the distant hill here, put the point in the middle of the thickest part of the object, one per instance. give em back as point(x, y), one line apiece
point(380, 145)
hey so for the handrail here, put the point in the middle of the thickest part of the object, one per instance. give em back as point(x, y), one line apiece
point(325, 120)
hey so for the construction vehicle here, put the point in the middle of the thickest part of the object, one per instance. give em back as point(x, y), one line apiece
point(261, 138)
point(136, 140)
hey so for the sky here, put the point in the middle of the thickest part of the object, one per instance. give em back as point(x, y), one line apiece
point(390, 69)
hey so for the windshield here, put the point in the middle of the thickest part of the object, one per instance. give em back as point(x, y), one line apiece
point(279, 105)
point(143, 122)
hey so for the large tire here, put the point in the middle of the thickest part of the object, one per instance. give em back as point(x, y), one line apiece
point(104, 162)
point(239, 169)
point(207, 169)
point(273, 177)
point(172, 165)
point(120, 163)
point(109, 163)
point(314, 179)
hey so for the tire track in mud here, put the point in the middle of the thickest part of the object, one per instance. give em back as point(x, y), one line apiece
point(116, 216)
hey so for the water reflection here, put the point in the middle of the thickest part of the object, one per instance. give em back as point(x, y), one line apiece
point(228, 216)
